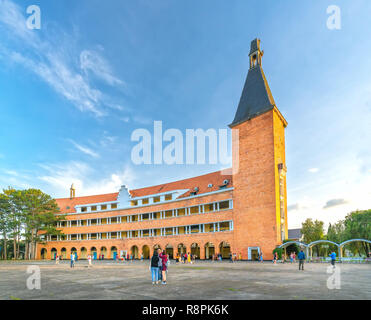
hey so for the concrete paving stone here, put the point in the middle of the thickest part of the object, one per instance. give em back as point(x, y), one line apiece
point(201, 281)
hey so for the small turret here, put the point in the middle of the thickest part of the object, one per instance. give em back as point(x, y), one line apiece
point(72, 191)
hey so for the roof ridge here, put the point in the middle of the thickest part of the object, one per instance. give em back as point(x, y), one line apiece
point(163, 184)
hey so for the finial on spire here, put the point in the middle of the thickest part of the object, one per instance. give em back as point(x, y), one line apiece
point(255, 53)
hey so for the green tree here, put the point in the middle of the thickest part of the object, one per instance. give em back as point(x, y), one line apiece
point(357, 225)
point(335, 232)
point(312, 231)
point(40, 218)
point(16, 217)
point(5, 227)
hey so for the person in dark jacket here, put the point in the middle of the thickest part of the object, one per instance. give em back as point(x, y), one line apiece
point(301, 257)
point(154, 267)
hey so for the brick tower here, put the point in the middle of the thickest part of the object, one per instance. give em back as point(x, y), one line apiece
point(259, 166)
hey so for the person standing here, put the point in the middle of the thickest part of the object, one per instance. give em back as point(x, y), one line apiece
point(159, 265)
point(72, 260)
point(261, 256)
point(141, 257)
point(291, 257)
point(154, 267)
point(164, 258)
point(275, 258)
point(189, 259)
point(301, 257)
point(333, 258)
point(89, 260)
point(56, 259)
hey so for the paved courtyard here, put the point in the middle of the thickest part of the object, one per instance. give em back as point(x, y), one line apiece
point(203, 280)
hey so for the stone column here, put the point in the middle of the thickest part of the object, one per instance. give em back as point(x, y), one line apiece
point(202, 252)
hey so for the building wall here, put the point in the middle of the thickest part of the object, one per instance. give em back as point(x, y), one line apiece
point(254, 197)
point(125, 244)
point(280, 157)
point(258, 148)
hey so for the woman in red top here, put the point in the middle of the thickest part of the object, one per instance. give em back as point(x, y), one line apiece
point(164, 258)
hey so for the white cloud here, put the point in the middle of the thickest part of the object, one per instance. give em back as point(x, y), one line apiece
point(92, 61)
point(52, 62)
point(15, 179)
point(85, 150)
point(334, 202)
point(11, 173)
point(313, 170)
point(125, 119)
point(59, 178)
point(107, 140)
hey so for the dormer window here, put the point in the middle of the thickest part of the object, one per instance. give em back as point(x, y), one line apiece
point(134, 203)
point(84, 209)
point(168, 197)
point(114, 206)
point(224, 185)
point(194, 192)
point(145, 201)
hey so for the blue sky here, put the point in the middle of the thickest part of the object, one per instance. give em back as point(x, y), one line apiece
point(72, 92)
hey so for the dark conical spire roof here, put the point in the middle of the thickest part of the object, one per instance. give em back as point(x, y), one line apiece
point(256, 96)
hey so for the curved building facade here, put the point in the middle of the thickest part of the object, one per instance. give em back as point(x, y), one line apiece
point(241, 210)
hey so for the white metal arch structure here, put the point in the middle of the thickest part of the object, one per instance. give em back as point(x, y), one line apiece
point(322, 241)
point(310, 246)
point(354, 240)
point(283, 245)
point(341, 246)
point(292, 242)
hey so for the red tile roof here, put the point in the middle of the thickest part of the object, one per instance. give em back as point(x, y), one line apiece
point(215, 178)
point(67, 205)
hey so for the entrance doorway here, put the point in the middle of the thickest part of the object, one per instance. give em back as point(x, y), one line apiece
point(253, 253)
point(209, 250)
point(169, 251)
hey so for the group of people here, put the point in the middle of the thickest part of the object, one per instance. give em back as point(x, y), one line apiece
point(159, 266)
point(301, 258)
point(232, 257)
point(185, 258)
